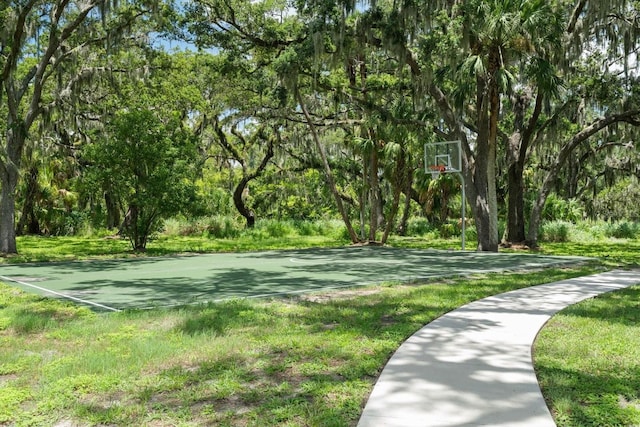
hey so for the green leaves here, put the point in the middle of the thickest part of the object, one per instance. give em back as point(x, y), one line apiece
point(147, 164)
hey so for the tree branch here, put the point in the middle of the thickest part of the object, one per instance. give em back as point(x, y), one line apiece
point(575, 16)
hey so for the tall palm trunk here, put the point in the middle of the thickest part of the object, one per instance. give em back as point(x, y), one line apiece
point(375, 201)
point(514, 232)
point(486, 202)
point(517, 149)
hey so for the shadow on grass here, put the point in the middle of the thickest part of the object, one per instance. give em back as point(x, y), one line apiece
point(617, 254)
point(604, 391)
point(616, 307)
point(216, 319)
point(580, 400)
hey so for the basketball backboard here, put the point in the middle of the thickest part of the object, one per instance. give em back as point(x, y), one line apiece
point(443, 157)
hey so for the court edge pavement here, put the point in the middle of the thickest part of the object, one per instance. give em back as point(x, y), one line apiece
point(473, 366)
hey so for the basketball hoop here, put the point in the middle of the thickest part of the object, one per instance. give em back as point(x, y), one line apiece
point(436, 170)
point(446, 157)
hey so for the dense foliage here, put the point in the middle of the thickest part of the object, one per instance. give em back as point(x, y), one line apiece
point(317, 110)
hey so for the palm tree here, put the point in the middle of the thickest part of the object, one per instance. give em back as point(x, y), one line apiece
point(501, 36)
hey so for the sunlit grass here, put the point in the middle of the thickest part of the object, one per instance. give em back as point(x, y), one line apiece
point(295, 362)
point(611, 252)
point(309, 361)
point(588, 361)
point(62, 248)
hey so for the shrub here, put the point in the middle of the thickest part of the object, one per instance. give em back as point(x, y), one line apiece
point(318, 227)
point(419, 226)
point(275, 228)
point(221, 227)
point(470, 232)
point(556, 231)
point(622, 230)
point(172, 227)
point(449, 229)
point(558, 209)
point(612, 203)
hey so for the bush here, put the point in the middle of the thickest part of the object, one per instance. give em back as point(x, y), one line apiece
point(218, 227)
point(470, 232)
point(308, 228)
point(318, 227)
point(556, 231)
point(558, 209)
point(622, 230)
point(612, 204)
point(419, 226)
point(221, 227)
point(275, 228)
point(450, 229)
point(172, 227)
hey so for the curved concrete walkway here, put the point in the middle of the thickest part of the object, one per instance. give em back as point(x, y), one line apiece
point(473, 366)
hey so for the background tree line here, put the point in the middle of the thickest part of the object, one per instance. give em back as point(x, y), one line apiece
point(309, 109)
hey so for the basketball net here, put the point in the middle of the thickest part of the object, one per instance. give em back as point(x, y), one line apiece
point(436, 170)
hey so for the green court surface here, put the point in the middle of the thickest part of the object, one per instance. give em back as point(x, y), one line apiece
point(169, 281)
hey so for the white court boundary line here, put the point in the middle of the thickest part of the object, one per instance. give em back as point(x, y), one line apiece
point(95, 304)
point(559, 261)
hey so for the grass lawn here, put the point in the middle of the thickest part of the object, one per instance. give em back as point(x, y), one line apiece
point(587, 359)
point(306, 361)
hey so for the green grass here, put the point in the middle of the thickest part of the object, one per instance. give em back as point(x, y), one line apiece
point(611, 252)
point(308, 361)
point(61, 248)
point(588, 361)
point(587, 357)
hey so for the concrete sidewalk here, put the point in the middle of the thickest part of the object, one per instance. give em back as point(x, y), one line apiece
point(473, 366)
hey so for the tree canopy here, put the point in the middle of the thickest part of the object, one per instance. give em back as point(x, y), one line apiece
point(337, 97)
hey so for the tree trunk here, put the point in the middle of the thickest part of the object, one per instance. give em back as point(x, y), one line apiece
point(132, 227)
point(327, 169)
point(9, 173)
point(535, 220)
point(483, 212)
point(514, 232)
point(374, 192)
point(392, 215)
point(408, 186)
point(517, 151)
point(364, 197)
point(398, 184)
point(8, 183)
point(241, 206)
point(241, 189)
point(486, 202)
point(113, 210)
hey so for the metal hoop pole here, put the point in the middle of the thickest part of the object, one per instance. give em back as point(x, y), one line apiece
point(464, 202)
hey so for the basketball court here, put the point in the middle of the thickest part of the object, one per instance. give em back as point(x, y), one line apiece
point(142, 283)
